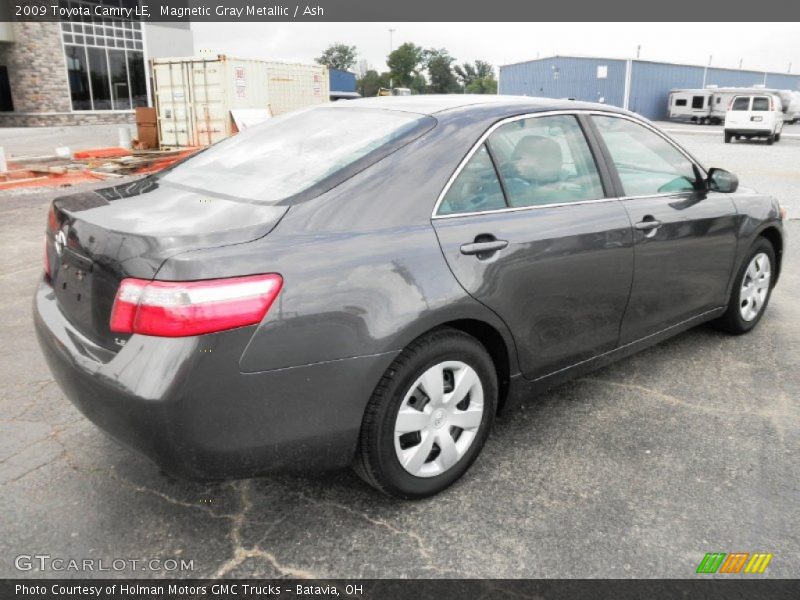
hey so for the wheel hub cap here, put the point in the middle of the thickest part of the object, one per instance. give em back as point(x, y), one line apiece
point(755, 287)
point(438, 419)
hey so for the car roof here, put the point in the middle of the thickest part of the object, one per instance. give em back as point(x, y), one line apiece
point(431, 104)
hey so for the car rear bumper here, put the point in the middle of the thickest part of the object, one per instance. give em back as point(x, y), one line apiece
point(184, 403)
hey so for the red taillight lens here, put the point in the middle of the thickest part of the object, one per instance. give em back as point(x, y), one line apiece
point(52, 222)
point(184, 308)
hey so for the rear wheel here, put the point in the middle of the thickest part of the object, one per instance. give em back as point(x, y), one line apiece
point(777, 137)
point(770, 140)
point(751, 290)
point(728, 137)
point(429, 417)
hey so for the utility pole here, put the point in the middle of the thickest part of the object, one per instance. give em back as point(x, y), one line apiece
point(638, 51)
point(391, 49)
point(705, 70)
point(789, 69)
point(740, 63)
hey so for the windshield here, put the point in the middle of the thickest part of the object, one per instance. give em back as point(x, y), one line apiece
point(292, 153)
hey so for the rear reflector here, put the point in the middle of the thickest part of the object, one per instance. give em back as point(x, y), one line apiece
point(184, 308)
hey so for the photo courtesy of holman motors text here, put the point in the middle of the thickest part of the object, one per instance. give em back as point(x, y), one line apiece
point(399, 300)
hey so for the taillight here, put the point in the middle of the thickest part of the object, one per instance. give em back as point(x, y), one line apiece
point(46, 259)
point(52, 222)
point(184, 308)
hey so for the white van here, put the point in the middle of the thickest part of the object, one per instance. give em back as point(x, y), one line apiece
point(754, 115)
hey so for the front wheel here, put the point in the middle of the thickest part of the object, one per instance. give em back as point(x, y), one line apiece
point(751, 290)
point(429, 417)
point(728, 137)
point(777, 137)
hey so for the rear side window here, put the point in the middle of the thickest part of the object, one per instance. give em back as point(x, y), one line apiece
point(308, 151)
point(477, 187)
point(545, 160)
point(647, 163)
point(741, 103)
point(760, 103)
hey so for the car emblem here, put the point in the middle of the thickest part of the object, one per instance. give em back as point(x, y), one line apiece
point(61, 241)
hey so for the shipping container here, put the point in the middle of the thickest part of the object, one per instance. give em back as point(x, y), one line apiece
point(194, 97)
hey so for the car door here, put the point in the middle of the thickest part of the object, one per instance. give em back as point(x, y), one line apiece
point(529, 230)
point(684, 234)
point(737, 117)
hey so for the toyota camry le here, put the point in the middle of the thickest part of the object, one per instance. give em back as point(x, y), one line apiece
point(369, 283)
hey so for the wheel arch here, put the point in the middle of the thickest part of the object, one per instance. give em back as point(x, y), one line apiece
point(774, 237)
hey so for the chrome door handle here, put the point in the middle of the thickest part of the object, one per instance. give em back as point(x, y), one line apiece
point(489, 247)
point(648, 224)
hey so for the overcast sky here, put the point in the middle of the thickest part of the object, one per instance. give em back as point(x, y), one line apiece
point(761, 46)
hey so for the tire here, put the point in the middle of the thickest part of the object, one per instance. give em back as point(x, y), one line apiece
point(734, 320)
point(770, 140)
point(777, 137)
point(378, 459)
point(728, 137)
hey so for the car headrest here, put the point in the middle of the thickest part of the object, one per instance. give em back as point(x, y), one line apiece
point(542, 156)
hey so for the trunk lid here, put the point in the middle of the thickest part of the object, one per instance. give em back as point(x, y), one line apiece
point(102, 236)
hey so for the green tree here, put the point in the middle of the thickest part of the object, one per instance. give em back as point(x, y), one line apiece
point(338, 56)
point(404, 64)
point(440, 71)
point(478, 78)
point(371, 82)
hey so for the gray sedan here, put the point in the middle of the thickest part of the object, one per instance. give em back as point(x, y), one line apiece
point(369, 283)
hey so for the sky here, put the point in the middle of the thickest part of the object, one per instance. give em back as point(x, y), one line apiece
point(767, 46)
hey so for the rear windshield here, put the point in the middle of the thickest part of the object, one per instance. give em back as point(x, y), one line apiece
point(760, 103)
point(309, 151)
point(741, 103)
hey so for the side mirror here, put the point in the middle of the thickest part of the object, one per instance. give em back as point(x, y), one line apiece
point(720, 180)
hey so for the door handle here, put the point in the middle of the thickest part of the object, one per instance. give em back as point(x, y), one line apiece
point(483, 249)
point(648, 224)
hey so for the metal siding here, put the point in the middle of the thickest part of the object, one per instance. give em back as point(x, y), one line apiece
point(734, 78)
point(783, 81)
point(342, 81)
point(651, 83)
point(577, 78)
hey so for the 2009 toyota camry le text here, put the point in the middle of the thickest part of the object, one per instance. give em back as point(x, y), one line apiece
point(370, 282)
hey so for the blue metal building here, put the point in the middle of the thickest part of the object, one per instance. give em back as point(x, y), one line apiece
point(638, 85)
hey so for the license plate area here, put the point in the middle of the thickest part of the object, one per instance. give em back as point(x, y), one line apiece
point(73, 285)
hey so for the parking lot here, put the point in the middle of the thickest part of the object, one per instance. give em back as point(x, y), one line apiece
point(637, 470)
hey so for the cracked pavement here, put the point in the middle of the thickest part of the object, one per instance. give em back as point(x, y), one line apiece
point(636, 470)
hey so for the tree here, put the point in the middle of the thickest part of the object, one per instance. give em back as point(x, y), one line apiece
point(338, 56)
point(404, 64)
point(477, 79)
point(372, 82)
point(440, 71)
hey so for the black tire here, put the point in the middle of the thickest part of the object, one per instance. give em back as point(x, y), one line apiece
point(770, 140)
point(376, 460)
point(777, 137)
point(728, 137)
point(732, 321)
